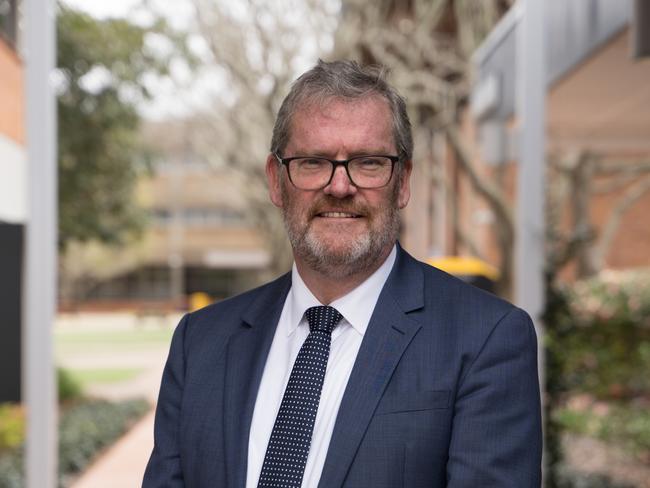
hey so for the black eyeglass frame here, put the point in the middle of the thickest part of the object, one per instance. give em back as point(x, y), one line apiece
point(340, 162)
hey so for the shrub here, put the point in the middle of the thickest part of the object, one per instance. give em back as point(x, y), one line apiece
point(87, 428)
point(602, 335)
point(12, 426)
point(69, 389)
point(628, 426)
point(597, 342)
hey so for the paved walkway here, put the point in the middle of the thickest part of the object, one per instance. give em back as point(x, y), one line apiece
point(122, 464)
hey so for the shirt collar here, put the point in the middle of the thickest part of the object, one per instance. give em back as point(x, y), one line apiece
point(356, 307)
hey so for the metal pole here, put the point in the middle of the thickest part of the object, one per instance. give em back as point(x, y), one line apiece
point(531, 114)
point(40, 284)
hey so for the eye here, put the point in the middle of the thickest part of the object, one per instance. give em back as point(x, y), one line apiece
point(370, 163)
point(311, 164)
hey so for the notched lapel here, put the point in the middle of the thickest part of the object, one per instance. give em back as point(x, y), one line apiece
point(246, 356)
point(389, 333)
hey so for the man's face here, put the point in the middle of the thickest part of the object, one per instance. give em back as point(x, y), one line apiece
point(340, 229)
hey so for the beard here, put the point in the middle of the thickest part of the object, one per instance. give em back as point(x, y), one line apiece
point(349, 254)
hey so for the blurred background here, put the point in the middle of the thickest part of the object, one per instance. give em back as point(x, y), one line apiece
point(164, 115)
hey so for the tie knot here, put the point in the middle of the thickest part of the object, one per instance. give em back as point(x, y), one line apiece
point(323, 318)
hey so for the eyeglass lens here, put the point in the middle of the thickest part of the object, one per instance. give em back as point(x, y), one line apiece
point(365, 172)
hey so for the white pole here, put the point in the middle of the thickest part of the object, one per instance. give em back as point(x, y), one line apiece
point(39, 300)
point(531, 114)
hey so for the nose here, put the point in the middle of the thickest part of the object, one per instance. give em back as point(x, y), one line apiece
point(340, 185)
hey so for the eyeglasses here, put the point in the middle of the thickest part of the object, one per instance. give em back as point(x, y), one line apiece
point(315, 173)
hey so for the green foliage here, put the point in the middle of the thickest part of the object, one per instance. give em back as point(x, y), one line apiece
point(103, 64)
point(69, 388)
point(12, 426)
point(104, 375)
point(603, 335)
point(84, 430)
point(627, 426)
point(571, 479)
point(597, 342)
point(87, 428)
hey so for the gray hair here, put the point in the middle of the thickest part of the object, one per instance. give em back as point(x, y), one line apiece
point(347, 80)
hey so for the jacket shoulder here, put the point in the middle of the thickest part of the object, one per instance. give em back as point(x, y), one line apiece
point(463, 301)
point(231, 309)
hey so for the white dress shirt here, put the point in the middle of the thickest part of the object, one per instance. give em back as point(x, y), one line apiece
point(292, 330)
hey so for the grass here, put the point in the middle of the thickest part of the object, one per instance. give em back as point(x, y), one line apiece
point(105, 375)
point(92, 340)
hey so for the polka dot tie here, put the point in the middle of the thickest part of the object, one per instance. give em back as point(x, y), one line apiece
point(286, 454)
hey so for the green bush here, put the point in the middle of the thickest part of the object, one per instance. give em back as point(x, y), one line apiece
point(597, 342)
point(85, 429)
point(602, 335)
point(12, 426)
point(68, 387)
point(573, 479)
point(627, 426)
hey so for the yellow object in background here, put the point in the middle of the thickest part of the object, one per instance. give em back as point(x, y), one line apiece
point(199, 300)
point(469, 269)
point(464, 266)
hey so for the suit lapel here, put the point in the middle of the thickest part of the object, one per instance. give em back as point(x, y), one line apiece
point(389, 333)
point(246, 356)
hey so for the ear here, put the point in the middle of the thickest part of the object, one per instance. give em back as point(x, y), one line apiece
point(273, 175)
point(405, 184)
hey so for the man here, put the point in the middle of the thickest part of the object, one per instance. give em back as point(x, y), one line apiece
point(362, 367)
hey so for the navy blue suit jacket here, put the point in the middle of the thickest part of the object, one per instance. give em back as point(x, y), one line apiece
point(443, 393)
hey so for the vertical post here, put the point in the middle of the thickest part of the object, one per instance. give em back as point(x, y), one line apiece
point(40, 284)
point(531, 113)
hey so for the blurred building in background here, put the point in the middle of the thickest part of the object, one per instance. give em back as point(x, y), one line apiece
point(456, 63)
point(12, 113)
point(13, 200)
point(598, 128)
point(197, 238)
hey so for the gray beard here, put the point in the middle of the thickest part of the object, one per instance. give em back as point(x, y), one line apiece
point(361, 255)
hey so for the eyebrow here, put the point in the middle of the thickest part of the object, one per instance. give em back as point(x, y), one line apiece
point(328, 154)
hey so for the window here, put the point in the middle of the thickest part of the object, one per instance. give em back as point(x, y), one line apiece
point(200, 217)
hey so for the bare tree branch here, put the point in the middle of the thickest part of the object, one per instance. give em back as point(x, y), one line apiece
point(623, 205)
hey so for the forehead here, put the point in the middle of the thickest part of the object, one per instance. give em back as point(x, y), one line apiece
point(340, 125)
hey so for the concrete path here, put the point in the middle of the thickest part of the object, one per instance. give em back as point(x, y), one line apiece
point(123, 463)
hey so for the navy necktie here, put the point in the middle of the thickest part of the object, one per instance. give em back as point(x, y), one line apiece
point(286, 454)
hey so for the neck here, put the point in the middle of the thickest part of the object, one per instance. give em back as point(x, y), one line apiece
point(327, 287)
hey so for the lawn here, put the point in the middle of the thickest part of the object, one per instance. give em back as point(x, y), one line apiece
point(103, 375)
point(83, 341)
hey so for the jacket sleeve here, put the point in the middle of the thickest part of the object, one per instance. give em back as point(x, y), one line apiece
point(497, 435)
point(164, 466)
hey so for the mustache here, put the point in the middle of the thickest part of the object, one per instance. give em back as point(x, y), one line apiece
point(342, 205)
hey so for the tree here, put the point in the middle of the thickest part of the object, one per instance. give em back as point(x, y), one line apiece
point(258, 48)
point(102, 65)
point(428, 44)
